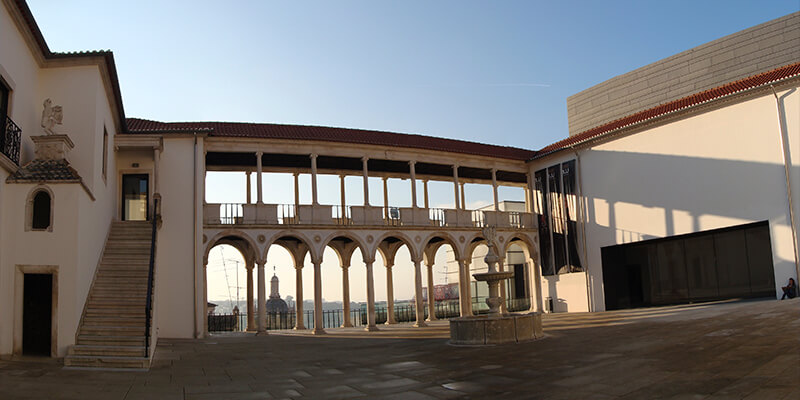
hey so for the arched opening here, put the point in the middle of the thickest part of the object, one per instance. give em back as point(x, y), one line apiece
point(227, 289)
point(339, 258)
point(399, 277)
point(281, 276)
point(441, 279)
point(40, 217)
point(290, 258)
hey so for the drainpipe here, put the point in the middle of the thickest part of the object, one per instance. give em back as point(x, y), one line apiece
point(784, 139)
point(583, 226)
point(194, 231)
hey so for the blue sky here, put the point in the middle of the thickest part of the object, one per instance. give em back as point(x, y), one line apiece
point(492, 72)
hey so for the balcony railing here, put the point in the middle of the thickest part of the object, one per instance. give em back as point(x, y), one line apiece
point(306, 214)
point(10, 140)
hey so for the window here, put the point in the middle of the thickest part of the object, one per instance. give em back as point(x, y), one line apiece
point(4, 97)
point(556, 203)
point(40, 210)
point(105, 152)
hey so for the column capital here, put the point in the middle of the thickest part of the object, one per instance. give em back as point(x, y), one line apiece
point(313, 155)
point(259, 153)
point(412, 162)
point(298, 266)
point(389, 265)
point(261, 263)
point(430, 264)
point(345, 266)
point(369, 261)
point(365, 159)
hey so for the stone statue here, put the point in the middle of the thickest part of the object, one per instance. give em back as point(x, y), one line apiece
point(51, 116)
point(490, 234)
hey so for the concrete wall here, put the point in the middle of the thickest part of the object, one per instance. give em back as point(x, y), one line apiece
point(711, 169)
point(175, 263)
point(761, 48)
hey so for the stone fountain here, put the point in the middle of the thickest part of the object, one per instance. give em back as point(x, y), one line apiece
point(495, 327)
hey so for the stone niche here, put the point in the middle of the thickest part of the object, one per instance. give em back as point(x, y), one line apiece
point(52, 147)
point(484, 330)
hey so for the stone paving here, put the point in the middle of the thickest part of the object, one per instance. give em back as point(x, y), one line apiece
point(728, 350)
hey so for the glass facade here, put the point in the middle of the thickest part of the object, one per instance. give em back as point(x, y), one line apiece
point(556, 204)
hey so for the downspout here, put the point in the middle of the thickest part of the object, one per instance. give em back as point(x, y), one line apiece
point(583, 226)
point(194, 231)
point(784, 140)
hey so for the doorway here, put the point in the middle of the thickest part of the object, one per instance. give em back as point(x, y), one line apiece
point(135, 197)
point(37, 314)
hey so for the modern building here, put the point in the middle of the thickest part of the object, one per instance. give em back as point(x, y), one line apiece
point(678, 182)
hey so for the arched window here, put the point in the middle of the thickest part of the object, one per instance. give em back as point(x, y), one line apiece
point(40, 210)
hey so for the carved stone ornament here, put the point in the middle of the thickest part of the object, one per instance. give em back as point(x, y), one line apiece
point(417, 238)
point(461, 239)
point(501, 239)
point(51, 116)
point(317, 238)
point(370, 238)
point(262, 238)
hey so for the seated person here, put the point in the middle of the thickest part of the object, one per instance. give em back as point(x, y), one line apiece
point(789, 290)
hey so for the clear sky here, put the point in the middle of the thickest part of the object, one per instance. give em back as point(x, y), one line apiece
point(492, 72)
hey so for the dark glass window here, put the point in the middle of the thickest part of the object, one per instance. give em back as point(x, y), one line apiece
point(571, 215)
point(543, 211)
point(41, 211)
point(4, 94)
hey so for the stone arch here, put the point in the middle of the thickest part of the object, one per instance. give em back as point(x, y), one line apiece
point(475, 241)
point(344, 259)
point(225, 236)
point(447, 238)
point(39, 196)
point(413, 250)
point(272, 240)
point(524, 241)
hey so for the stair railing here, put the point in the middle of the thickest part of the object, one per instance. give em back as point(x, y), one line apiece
point(149, 301)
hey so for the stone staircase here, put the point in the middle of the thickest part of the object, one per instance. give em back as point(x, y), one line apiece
point(112, 331)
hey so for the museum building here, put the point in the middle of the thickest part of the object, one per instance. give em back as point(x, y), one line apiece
point(678, 182)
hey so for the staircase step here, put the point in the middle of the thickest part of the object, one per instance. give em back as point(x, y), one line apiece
point(107, 362)
point(106, 340)
point(112, 351)
point(100, 330)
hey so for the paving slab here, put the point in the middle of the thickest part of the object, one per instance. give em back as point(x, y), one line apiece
point(721, 350)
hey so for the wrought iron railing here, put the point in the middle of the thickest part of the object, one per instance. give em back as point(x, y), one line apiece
point(10, 140)
point(342, 215)
point(515, 219)
point(150, 272)
point(437, 216)
point(230, 213)
point(287, 214)
point(478, 218)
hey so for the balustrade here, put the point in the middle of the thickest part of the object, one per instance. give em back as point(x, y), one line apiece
point(10, 140)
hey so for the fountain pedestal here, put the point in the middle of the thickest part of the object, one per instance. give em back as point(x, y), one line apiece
point(495, 328)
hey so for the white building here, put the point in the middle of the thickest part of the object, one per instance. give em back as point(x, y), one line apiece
point(674, 185)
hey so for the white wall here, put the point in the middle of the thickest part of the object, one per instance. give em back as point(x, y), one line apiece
point(714, 169)
point(175, 263)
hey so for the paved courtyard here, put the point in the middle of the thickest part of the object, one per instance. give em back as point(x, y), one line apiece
point(729, 350)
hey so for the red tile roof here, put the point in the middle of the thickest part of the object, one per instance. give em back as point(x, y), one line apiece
point(751, 82)
point(329, 134)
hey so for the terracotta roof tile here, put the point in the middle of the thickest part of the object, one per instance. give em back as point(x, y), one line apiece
point(754, 81)
point(45, 171)
point(322, 133)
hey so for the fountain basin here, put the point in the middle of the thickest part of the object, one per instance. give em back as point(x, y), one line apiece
point(484, 330)
point(493, 276)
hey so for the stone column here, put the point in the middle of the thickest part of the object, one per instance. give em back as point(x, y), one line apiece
point(425, 191)
point(418, 295)
point(431, 292)
point(413, 184)
point(390, 319)
point(455, 186)
point(249, 191)
point(156, 170)
point(463, 198)
point(536, 282)
point(364, 161)
point(318, 324)
point(385, 198)
point(468, 276)
point(494, 189)
point(300, 323)
point(528, 194)
point(370, 298)
point(259, 195)
point(296, 191)
point(341, 192)
point(251, 310)
point(262, 299)
point(465, 296)
point(314, 179)
point(346, 296)
point(501, 266)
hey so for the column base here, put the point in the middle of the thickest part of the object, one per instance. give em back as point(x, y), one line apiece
point(262, 333)
point(429, 319)
point(371, 328)
point(347, 325)
point(420, 324)
point(318, 331)
point(299, 328)
point(390, 322)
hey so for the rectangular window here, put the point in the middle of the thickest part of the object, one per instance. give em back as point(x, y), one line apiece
point(556, 203)
point(4, 96)
point(105, 152)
